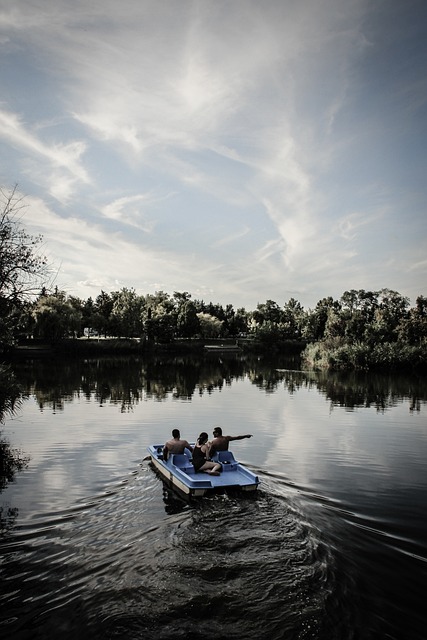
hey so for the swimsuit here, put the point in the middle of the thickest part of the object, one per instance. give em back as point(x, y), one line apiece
point(199, 458)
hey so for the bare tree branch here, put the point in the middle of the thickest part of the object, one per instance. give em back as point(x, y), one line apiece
point(23, 268)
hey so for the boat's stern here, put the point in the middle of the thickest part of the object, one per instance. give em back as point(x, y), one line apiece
point(178, 471)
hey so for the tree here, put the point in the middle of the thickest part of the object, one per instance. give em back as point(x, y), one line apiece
point(188, 324)
point(413, 329)
point(335, 325)
point(161, 328)
point(238, 324)
point(180, 298)
point(56, 317)
point(210, 326)
point(391, 312)
point(102, 316)
point(160, 315)
point(88, 313)
point(316, 320)
point(23, 270)
point(160, 303)
point(267, 312)
point(126, 314)
point(269, 333)
point(293, 319)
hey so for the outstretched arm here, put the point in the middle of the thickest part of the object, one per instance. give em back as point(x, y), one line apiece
point(249, 435)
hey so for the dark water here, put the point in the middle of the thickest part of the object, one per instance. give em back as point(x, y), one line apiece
point(333, 546)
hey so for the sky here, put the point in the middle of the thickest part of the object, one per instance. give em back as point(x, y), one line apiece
point(239, 150)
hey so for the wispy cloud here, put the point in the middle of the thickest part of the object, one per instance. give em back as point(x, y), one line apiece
point(70, 237)
point(349, 225)
point(231, 238)
point(66, 156)
point(59, 157)
point(130, 210)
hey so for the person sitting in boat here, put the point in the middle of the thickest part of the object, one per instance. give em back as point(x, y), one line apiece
point(220, 442)
point(201, 454)
point(175, 445)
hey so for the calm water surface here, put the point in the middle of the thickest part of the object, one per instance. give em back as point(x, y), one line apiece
point(332, 547)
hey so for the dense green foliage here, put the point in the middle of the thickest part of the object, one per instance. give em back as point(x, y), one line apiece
point(371, 330)
point(361, 330)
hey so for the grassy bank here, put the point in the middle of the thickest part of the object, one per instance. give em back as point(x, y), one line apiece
point(134, 346)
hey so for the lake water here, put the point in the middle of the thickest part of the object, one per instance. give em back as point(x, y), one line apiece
point(332, 547)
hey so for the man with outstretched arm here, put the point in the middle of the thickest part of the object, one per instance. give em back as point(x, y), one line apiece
point(220, 442)
point(175, 445)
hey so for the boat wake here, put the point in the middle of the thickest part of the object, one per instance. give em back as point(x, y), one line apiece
point(140, 562)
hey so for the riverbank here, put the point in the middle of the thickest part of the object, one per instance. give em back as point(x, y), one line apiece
point(135, 346)
point(326, 355)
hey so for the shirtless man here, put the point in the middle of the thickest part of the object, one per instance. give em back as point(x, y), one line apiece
point(220, 442)
point(175, 445)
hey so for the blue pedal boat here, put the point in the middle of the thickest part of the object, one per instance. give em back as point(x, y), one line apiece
point(178, 472)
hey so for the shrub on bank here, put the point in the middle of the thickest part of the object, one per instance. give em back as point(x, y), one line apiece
point(336, 355)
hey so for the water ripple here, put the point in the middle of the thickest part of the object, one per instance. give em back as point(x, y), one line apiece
point(138, 562)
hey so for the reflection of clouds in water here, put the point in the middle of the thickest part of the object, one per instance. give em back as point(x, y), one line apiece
point(106, 457)
point(56, 479)
point(100, 535)
point(346, 449)
point(293, 446)
point(80, 450)
point(311, 441)
point(48, 434)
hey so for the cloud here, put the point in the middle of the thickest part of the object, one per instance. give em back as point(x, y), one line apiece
point(130, 210)
point(59, 157)
point(232, 238)
point(418, 266)
point(349, 225)
point(231, 148)
point(88, 253)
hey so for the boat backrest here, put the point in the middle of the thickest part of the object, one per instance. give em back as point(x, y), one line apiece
point(183, 462)
point(226, 456)
point(179, 459)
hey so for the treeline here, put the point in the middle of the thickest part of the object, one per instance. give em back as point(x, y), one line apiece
point(362, 329)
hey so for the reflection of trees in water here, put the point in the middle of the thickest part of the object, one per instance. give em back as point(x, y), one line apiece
point(126, 381)
point(373, 390)
point(11, 460)
point(355, 389)
point(10, 395)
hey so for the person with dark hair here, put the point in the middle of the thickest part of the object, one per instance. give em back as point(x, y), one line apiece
point(201, 454)
point(220, 442)
point(175, 445)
